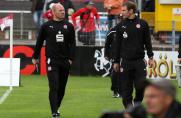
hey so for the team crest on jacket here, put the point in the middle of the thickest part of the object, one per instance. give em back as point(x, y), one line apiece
point(121, 69)
point(124, 27)
point(125, 35)
point(65, 26)
point(138, 26)
point(60, 37)
point(49, 68)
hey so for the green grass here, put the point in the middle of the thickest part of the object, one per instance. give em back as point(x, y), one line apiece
point(86, 97)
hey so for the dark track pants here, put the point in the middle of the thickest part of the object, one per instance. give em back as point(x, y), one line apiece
point(133, 73)
point(115, 76)
point(57, 77)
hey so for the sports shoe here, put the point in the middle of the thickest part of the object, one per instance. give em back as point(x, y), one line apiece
point(56, 115)
point(115, 95)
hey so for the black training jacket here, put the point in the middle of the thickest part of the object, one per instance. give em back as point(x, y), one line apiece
point(60, 40)
point(132, 38)
point(109, 43)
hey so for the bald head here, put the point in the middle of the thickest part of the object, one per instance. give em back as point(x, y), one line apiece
point(56, 6)
point(58, 11)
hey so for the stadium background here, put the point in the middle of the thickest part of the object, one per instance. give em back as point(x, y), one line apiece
point(86, 96)
point(25, 33)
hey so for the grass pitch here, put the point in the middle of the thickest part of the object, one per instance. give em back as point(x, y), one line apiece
point(86, 97)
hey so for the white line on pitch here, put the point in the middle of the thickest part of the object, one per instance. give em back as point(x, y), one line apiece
point(5, 95)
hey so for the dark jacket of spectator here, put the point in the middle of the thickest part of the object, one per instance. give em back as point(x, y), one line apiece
point(37, 5)
point(174, 110)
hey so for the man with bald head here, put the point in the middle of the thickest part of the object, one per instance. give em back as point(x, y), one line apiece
point(59, 35)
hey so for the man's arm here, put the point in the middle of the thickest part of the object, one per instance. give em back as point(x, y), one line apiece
point(74, 15)
point(148, 45)
point(39, 44)
point(97, 16)
point(147, 41)
point(109, 40)
point(116, 52)
point(117, 45)
point(179, 50)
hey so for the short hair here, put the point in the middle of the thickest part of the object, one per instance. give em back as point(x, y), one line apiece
point(164, 85)
point(130, 5)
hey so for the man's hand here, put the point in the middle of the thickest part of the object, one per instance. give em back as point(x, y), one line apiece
point(34, 61)
point(70, 61)
point(151, 62)
point(127, 115)
point(179, 60)
point(116, 67)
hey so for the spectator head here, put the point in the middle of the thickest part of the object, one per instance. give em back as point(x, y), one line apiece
point(128, 9)
point(89, 4)
point(159, 95)
point(48, 14)
point(51, 5)
point(58, 11)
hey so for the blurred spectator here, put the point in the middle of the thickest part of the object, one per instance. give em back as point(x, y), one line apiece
point(37, 9)
point(113, 8)
point(160, 99)
point(87, 14)
point(148, 5)
point(46, 5)
point(48, 15)
point(179, 51)
point(68, 5)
